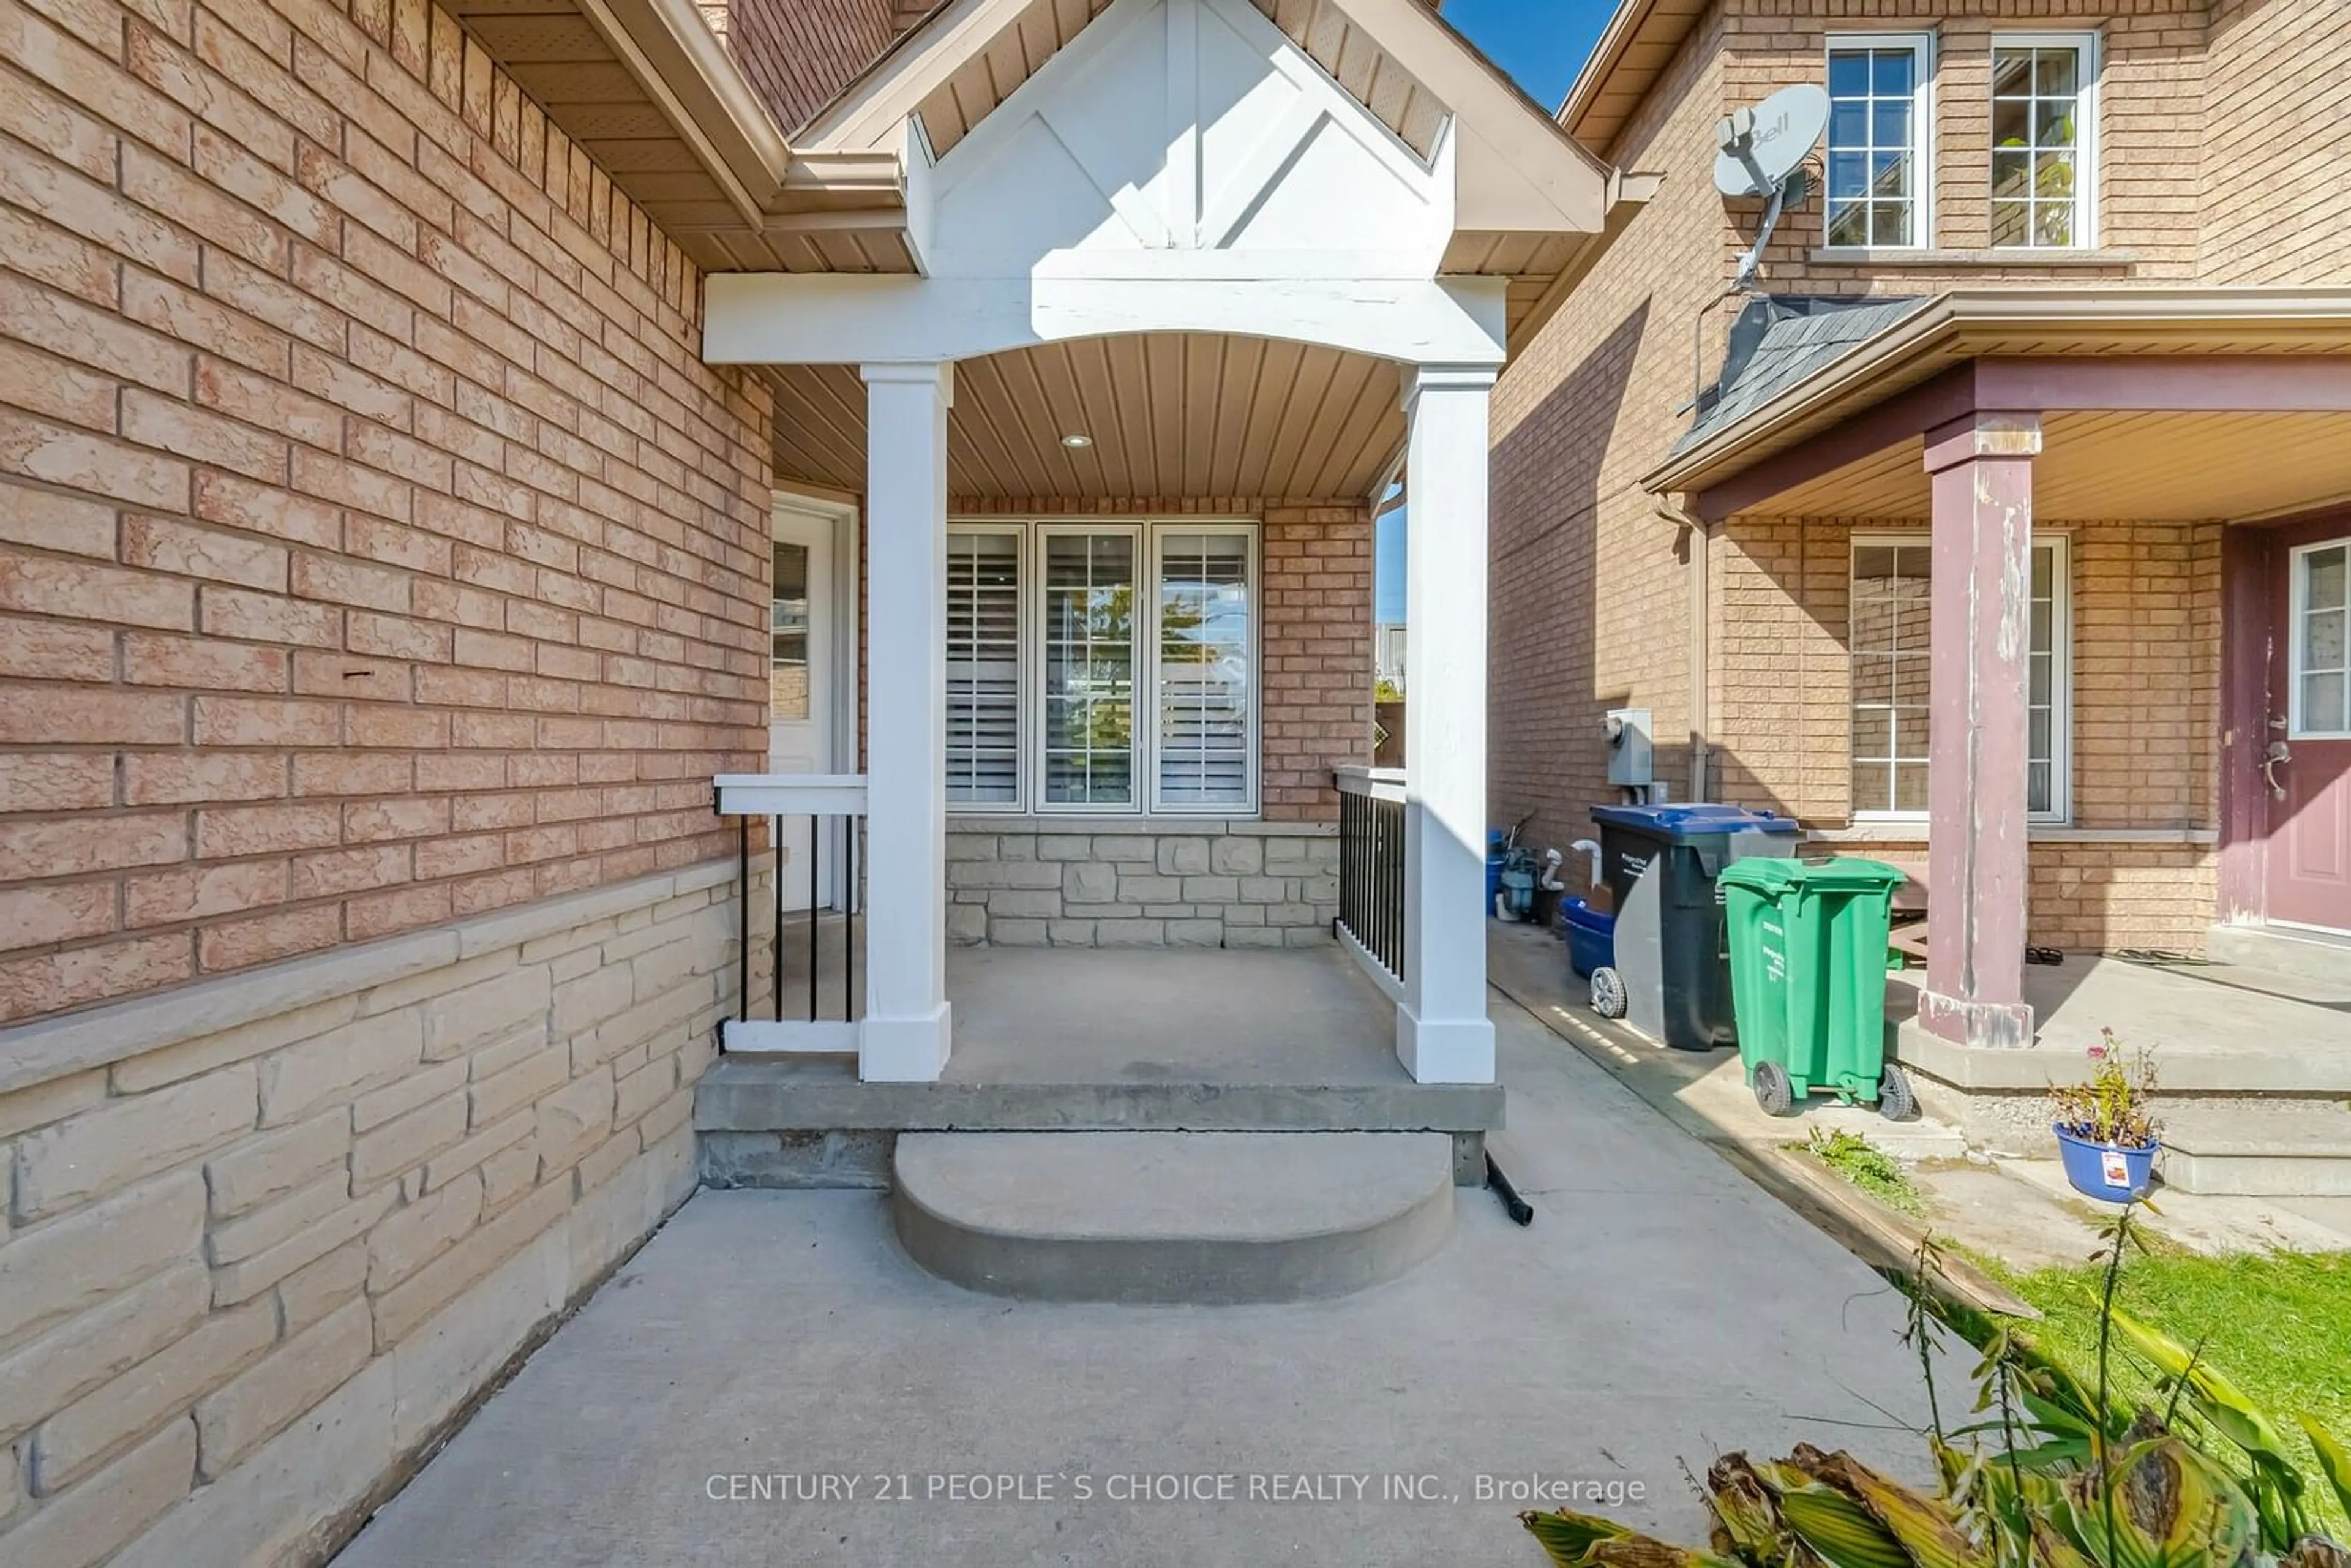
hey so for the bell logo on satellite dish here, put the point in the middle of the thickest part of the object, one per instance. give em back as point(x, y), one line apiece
point(1760, 151)
point(1760, 147)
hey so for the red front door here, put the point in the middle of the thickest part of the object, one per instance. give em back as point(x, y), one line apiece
point(2309, 731)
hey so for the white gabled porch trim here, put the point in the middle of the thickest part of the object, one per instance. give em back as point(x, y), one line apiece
point(1443, 1035)
point(840, 319)
point(1265, 202)
point(908, 1026)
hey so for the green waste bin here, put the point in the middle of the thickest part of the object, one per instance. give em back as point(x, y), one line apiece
point(1808, 979)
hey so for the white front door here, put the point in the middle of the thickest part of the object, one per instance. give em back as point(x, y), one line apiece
point(801, 682)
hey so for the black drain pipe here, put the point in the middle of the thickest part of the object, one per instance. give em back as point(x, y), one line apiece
point(1518, 1208)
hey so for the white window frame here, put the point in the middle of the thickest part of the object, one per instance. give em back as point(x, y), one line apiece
point(1146, 623)
point(1922, 122)
point(1248, 533)
point(2297, 604)
point(2060, 543)
point(2087, 66)
point(1022, 544)
point(1031, 534)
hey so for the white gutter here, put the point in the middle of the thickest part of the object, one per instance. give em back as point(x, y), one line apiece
point(694, 61)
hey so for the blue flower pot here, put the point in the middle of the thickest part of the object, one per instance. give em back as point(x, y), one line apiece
point(2104, 1171)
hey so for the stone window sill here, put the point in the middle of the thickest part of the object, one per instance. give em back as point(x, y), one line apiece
point(1894, 256)
point(1093, 823)
point(2051, 833)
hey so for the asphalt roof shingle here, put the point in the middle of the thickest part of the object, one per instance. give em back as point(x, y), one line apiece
point(1793, 336)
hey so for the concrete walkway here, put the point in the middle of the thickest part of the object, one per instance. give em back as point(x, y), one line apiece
point(1660, 1308)
point(2018, 1211)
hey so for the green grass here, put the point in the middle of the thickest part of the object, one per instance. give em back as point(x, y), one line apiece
point(1866, 1166)
point(2277, 1324)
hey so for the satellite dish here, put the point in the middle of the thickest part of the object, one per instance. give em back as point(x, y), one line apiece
point(1761, 146)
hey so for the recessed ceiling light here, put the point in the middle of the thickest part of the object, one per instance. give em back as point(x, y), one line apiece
point(1073, 440)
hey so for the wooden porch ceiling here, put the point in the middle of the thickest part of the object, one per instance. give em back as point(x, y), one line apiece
point(1170, 415)
point(2158, 466)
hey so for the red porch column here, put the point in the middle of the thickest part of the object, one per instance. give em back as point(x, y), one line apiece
point(1979, 635)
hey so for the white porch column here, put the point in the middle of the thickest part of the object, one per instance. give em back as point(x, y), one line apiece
point(1443, 1035)
point(907, 1030)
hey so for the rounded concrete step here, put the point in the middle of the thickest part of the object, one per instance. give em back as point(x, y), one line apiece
point(1211, 1217)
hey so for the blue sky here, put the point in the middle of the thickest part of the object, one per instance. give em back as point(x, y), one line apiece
point(1541, 43)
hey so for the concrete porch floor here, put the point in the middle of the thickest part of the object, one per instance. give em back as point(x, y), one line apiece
point(1130, 1015)
point(2176, 1010)
point(785, 1333)
point(1167, 1015)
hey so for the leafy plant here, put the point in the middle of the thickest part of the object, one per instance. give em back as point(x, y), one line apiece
point(2054, 1473)
point(2115, 1105)
point(1866, 1166)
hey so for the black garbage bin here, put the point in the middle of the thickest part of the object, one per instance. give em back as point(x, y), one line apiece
point(1672, 974)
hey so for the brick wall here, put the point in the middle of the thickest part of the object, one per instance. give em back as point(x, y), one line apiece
point(1315, 655)
point(1314, 648)
point(1778, 681)
point(2146, 653)
point(374, 548)
point(250, 1274)
point(2147, 673)
point(2223, 125)
point(2099, 896)
point(798, 53)
point(2150, 88)
point(1590, 587)
point(2275, 141)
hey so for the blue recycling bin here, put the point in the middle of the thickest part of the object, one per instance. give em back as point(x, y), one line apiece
point(1591, 936)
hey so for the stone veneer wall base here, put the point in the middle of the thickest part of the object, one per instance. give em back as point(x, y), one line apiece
point(257, 1264)
point(324, 1541)
point(333, 1534)
point(1152, 881)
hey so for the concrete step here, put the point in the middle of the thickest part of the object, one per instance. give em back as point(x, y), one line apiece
point(821, 1094)
point(2311, 954)
point(807, 1122)
point(1205, 1218)
point(2284, 1148)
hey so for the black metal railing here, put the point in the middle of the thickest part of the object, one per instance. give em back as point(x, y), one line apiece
point(799, 937)
point(1371, 863)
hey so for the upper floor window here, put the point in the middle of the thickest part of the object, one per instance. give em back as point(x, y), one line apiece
point(1878, 173)
point(2043, 109)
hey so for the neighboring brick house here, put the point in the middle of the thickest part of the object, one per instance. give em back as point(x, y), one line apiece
point(439, 441)
point(2159, 382)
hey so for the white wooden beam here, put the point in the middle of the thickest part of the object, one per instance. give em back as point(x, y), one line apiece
point(791, 794)
point(819, 319)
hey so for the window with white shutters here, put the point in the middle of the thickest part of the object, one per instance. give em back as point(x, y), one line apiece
point(1204, 688)
point(1102, 667)
point(984, 668)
